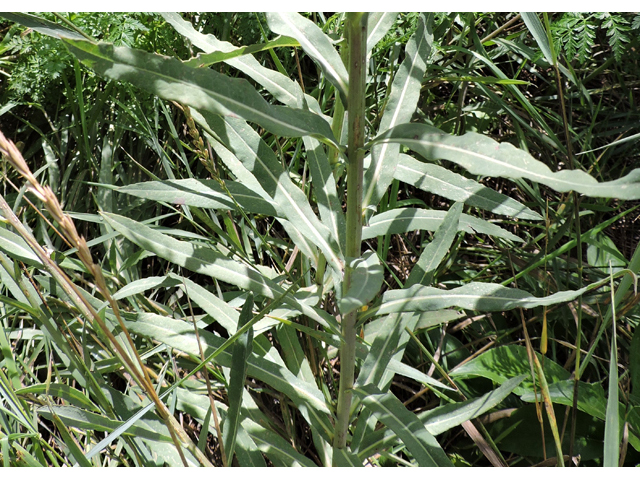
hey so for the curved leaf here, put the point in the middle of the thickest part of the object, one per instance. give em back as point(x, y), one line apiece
point(378, 24)
point(481, 155)
point(366, 281)
point(400, 220)
point(203, 89)
point(484, 297)
point(436, 179)
point(401, 105)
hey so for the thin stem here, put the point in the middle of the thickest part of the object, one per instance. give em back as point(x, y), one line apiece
point(357, 36)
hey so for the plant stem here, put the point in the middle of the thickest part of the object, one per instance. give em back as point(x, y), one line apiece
point(357, 37)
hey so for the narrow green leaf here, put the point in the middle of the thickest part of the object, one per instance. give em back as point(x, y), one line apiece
point(237, 376)
point(82, 419)
point(378, 24)
point(70, 394)
point(612, 422)
point(400, 220)
point(366, 282)
point(434, 253)
point(441, 181)
point(42, 25)
point(484, 297)
point(533, 23)
point(481, 155)
point(203, 89)
point(208, 59)
point(400, 107)
point(202, 194)
point(14, 246)
point(144, 284)
point(422, 445)
point(315, 43)
point(70, 442)
point(444, 418)
point(324, 184)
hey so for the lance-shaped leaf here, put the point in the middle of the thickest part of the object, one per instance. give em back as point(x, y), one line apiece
point(481, 155)
point(400, 220)
point(41, 25)
point(324, 184)
point(434, 253)
point(201, 193)
point(440, 181)
point(315, 43)
point(237, 376)
point(204, 260)
point(533, 23)
point(203, 89)
point(401, 105)
point(484, 297)
point(208, 59)
point(17, 248)
point(281, 87)
point(442, 419)
point(366, 281)
point(259, 159)
point(422, 445)
point(378, 24)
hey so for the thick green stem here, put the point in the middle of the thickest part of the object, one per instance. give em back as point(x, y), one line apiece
point(357, 37)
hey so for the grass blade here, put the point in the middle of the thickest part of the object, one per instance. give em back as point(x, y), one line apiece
point(612, 422)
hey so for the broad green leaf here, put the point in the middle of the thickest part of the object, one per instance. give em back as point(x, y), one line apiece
point(180, 335)
point(440, 181)
point(324, 185)
point(378, 24)
point(78, 418)
point(444, 418)
point(14, 246)
point(505, 362)
point(366, 281)
point(72, 395)
point(390, 411)
point(315, 43)
point(481, 155)
point(602, 251)
point(257, 157)
point(591, 397)
point(434, 253)
point(400, 107)
point(237, 377)
point(201, 193)
point(400, 220)
point(484, 297)
point(203, 89)
point(533, 23)
point(208, 59)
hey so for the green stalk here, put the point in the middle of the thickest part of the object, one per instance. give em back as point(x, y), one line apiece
point(357, 37)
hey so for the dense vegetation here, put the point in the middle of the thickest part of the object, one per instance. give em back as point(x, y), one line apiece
point(385, 239)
